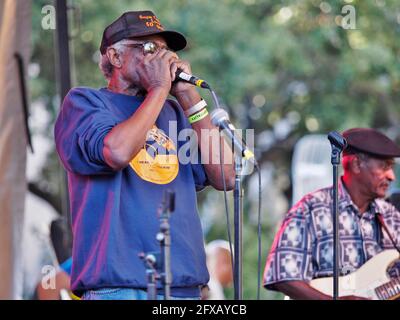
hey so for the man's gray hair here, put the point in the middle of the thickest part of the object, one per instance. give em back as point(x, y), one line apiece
point(349, 157)
point(105, 65)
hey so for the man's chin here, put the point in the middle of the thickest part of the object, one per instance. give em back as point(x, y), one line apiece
point(382, 193)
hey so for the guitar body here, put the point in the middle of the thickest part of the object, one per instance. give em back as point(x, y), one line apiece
point(369, 281)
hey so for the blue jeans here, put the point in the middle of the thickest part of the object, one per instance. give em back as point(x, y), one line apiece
point(124, 294)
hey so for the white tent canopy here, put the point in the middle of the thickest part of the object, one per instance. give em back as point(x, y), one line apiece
point(311, 166)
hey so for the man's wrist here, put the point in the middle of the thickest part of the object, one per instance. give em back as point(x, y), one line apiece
point(198, 116)
point(196, 108)
point(157, 95)
point(159, 90)
point(188, 98)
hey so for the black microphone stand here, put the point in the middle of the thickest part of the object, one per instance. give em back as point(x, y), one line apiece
point(338, 144)
point(239, 155)
point(238, 227)
point(164, 237)
point(150, 261)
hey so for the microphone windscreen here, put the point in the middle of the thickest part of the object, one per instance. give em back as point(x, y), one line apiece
point(337, 139)
point(218, 115)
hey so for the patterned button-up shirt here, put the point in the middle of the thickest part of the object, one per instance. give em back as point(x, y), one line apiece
point(303, 247)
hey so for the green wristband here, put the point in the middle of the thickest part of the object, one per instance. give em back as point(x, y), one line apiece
point(198, 116)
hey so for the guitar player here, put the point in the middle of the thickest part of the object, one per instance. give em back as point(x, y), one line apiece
point(303, 247)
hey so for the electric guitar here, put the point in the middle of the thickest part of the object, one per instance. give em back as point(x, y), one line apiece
point(369, 281)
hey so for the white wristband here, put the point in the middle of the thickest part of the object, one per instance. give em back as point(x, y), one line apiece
point(197, 107)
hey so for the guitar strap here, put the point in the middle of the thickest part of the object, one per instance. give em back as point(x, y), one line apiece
point(384, 226)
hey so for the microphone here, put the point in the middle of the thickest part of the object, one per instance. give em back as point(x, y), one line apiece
point(220, 118)
point(183, 76)
point(337, 140)
point(150, 258)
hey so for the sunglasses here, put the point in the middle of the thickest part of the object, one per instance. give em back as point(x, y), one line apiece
point(147, 47)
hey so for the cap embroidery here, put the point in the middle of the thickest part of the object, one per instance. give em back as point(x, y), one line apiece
point(152, 22)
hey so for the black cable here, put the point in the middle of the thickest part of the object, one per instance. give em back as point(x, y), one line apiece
point(216, 102)
point(226, 205)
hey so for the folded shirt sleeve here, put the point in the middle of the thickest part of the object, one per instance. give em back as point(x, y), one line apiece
point(80, 129)
point(290, 257)
point(200, 176)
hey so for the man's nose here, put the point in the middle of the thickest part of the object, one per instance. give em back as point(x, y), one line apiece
point(390, 174)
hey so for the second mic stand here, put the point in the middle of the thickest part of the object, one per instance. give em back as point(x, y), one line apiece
point(164, 237)
point(150, 262)
point(338, 144)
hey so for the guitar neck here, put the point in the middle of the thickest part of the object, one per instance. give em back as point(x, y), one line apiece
point(389, 290)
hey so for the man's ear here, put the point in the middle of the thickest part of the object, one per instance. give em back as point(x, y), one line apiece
point(114, 57)
point(356, 164)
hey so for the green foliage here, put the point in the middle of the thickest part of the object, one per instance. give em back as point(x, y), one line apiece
point(248, 48)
